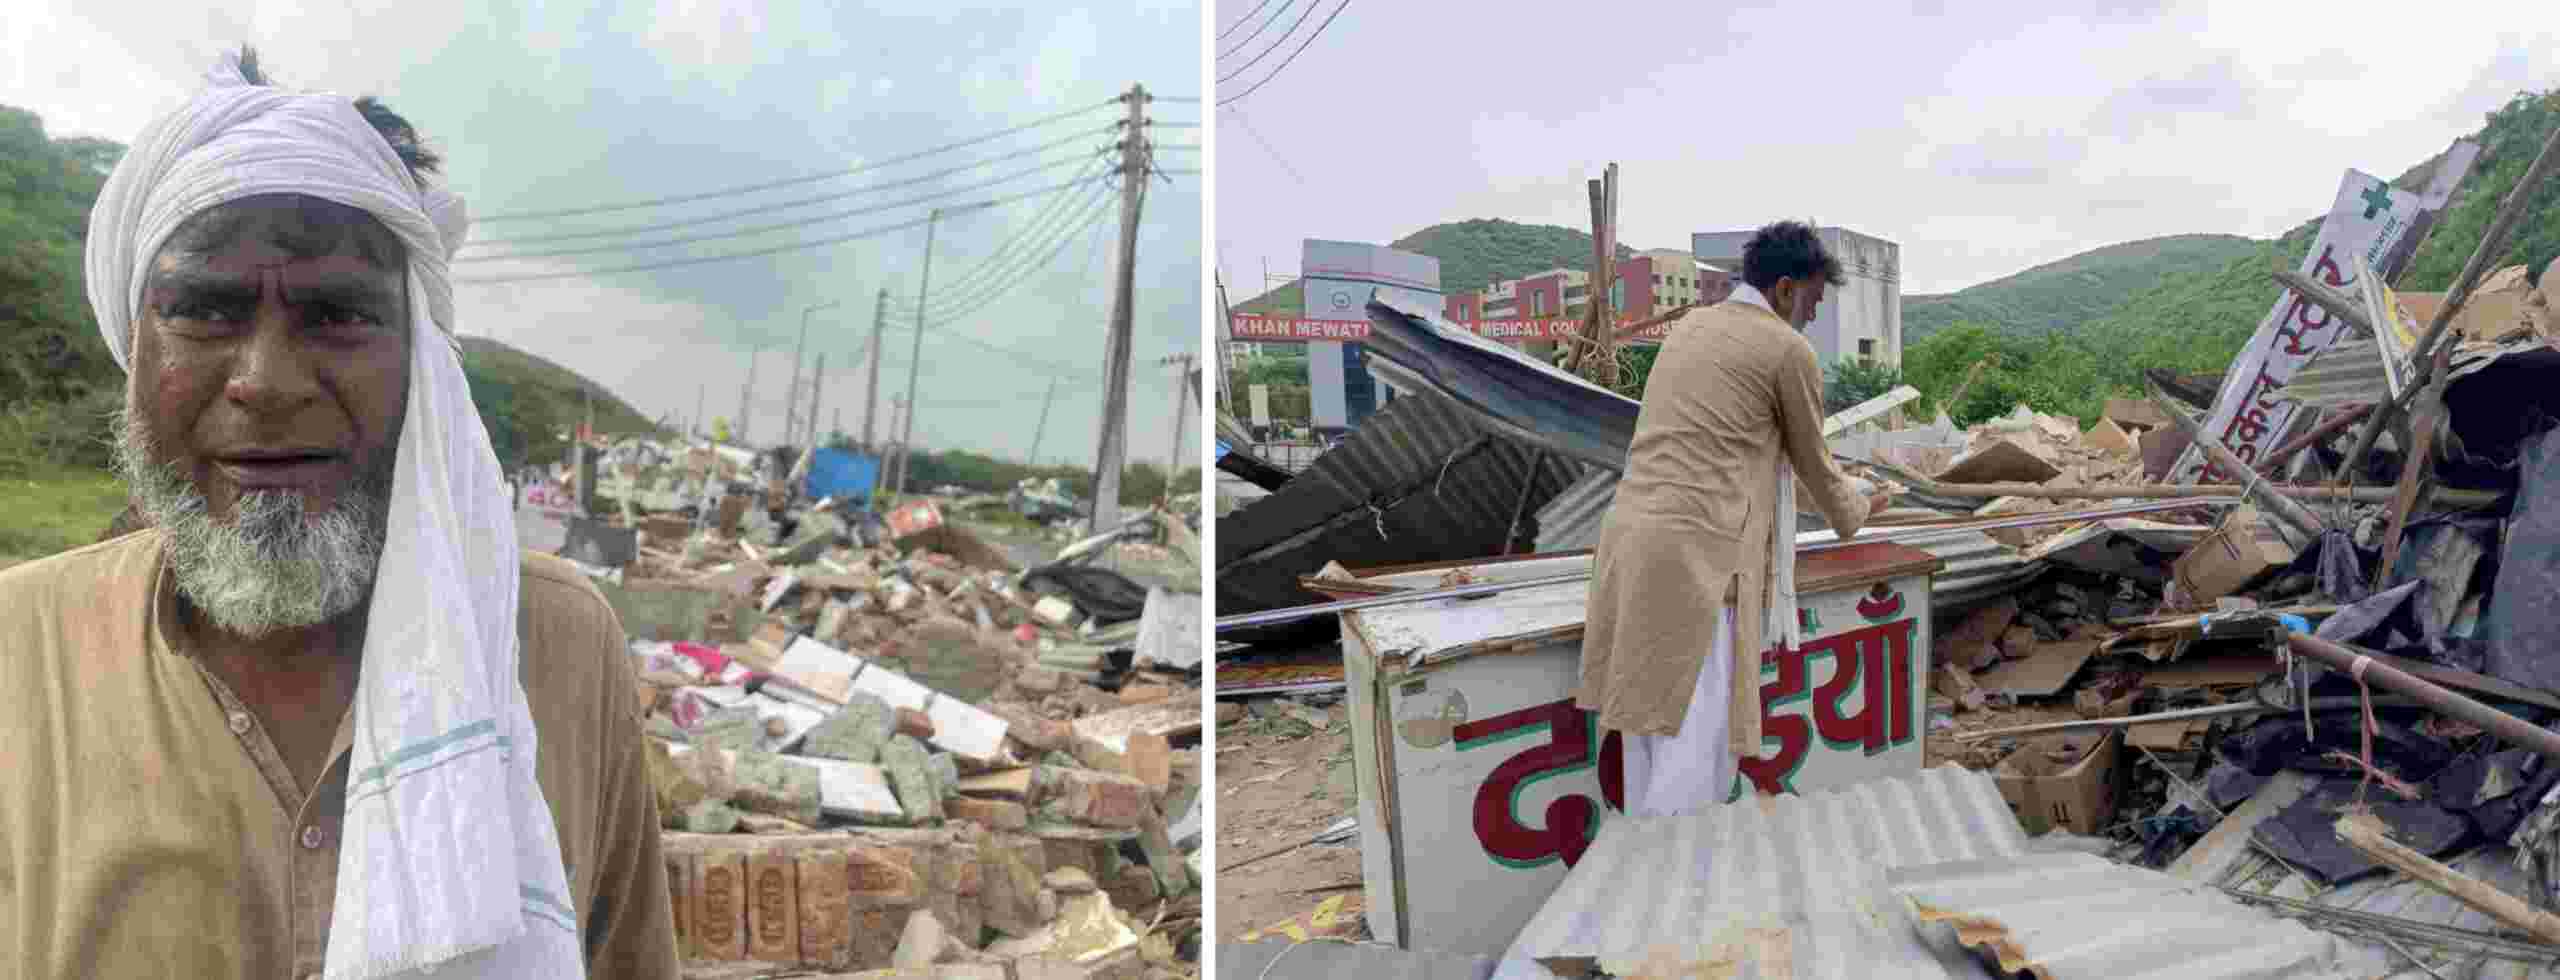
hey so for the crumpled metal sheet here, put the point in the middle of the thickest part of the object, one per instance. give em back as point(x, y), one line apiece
point(1510, 392)
point(2075, 915)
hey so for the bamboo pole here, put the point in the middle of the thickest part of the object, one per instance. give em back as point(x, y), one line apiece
point(2366, 833)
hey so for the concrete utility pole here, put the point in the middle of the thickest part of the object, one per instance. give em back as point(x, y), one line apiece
point(915, 360)
point(745, 392)
point(695, 427)
point(1114, 448)
point(879, 323)
point(1042, 430)
point(817, 382)
point(793, 425)
point(1182, 396)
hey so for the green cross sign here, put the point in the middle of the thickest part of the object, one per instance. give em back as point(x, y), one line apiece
point(2377, 199)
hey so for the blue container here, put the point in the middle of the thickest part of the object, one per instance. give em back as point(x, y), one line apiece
point(844, 475)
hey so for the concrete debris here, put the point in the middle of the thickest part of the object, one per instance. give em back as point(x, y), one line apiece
point(861, 761)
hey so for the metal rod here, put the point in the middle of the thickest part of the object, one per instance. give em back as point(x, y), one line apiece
point(2506, 726)
point(2279, 506)
point(2328, 427)
point(1292, 614)
point(2210, 711)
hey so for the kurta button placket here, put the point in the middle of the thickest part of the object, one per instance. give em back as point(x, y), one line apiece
point(311, 838)
point(239, 723)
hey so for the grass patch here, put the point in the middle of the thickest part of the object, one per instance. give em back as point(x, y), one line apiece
point(52, 509)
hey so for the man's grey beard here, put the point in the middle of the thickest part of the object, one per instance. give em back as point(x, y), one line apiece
point(272, 566)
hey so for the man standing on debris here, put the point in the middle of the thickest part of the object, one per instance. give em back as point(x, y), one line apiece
point(322, 711)
point(1697, 554)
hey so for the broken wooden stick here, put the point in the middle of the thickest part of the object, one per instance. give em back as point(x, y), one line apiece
point(2365, 833)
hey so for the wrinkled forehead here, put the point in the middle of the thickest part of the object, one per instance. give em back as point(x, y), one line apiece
point(269, 229)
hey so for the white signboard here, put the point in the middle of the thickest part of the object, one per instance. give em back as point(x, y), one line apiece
point(2366, 220)
point(1261, 395)
point(1497, 782)
point(1339, 278)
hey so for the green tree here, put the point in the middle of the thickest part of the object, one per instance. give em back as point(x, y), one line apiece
point(1848, 382)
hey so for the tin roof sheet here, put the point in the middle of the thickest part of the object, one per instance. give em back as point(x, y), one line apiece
point(2403, 898)
point(2078, 915)
point(1420, 481)
point(1788, 886)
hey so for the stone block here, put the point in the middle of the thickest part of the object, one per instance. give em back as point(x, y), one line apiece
point(855, 732)
point(992, 814)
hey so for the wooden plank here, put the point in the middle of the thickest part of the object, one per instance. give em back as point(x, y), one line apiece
point(2213, 855)
point(2365, 832)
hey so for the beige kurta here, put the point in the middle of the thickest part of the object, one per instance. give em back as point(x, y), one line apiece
point(1733, 388)
point(149, 828)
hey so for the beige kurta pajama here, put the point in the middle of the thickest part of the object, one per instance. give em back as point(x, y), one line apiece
point(1734, 392)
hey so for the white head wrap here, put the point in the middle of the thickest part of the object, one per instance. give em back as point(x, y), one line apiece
point(450, 864)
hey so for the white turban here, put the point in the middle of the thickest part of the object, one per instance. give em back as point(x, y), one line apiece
point(450, 864)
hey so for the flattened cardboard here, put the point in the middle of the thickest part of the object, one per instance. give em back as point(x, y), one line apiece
point(2040, 674)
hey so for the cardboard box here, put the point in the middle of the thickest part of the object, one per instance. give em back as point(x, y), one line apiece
point(2050, 786)
point(2242, 549)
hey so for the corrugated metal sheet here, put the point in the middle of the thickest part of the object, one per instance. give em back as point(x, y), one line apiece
point(1978, 568)
point(1420, 481)
point(2402, 897)
point(1280, 959)
point(2348, 373)
point(2078, 915)
point(1788, 886)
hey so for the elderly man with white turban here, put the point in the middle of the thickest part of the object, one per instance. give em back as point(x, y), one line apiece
point(321, 718)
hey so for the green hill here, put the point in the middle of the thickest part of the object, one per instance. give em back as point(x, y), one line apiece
point(527, 402)
point(2066, 295)
point(1473, 254)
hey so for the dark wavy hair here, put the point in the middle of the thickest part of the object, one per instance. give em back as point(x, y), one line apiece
point(1787, 250)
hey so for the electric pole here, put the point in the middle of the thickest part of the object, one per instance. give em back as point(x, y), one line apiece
point(745, 392)
point(1042, 430)
point(1115, 373)
point(1181, 412)
point(879, 322)
point(793, 424)
point(698, 396)
point(817, 381)
point(915, 360)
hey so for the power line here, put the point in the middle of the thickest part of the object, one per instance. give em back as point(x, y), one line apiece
point(778, 225)
point(984, 289)
point(768, 185)
point(1239, 22)
point(1247, 126)
point(1293, 55)
point(1032, 229)
point(1184, 99)
point(1276, 42)
point(778, 249)
point(820, 199)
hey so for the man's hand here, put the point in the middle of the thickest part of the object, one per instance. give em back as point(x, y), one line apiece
point(1882, 499)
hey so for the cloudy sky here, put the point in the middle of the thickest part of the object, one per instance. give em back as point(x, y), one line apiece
point(1985, 138)
point(546, 105)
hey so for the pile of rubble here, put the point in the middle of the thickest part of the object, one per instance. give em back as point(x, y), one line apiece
point(2151, 685)
point(877, 745)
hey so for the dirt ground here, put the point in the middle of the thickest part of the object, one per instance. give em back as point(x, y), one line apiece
point(1281, 781)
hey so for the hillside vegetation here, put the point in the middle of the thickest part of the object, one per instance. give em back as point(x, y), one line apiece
point(2197, 320)
point(2059, 297)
